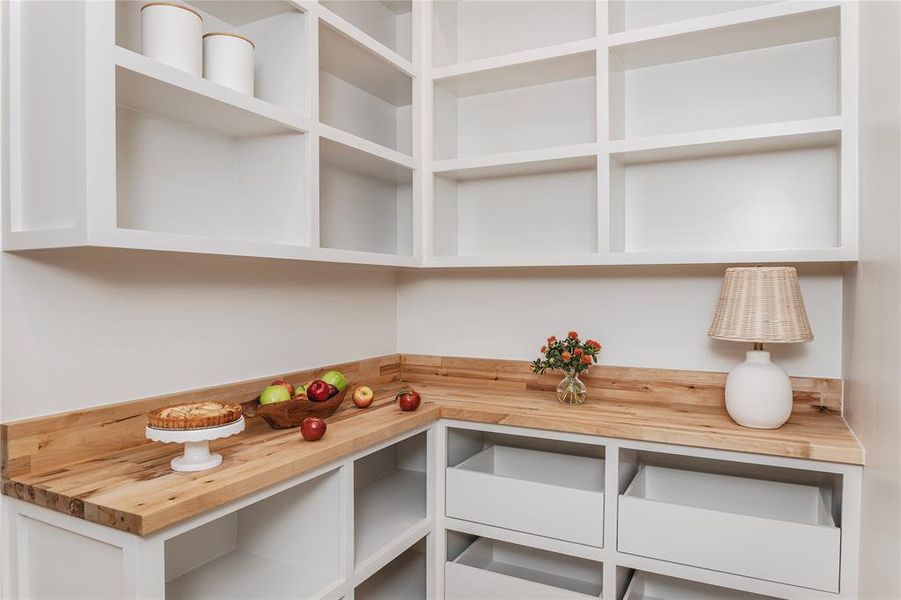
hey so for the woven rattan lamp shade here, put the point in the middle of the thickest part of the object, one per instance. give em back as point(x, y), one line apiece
point(761, 304)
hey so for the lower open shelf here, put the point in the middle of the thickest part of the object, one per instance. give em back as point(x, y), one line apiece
point(263, 550)
point(389, 496)
point(404, 578)
point(240, 574)
point(386, 508)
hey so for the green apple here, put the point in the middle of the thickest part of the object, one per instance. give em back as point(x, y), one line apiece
point(335, 378)
point(275, 393)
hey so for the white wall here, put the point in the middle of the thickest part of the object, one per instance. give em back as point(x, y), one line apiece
point(873, 301)
point(81, 328)
point(645, 317)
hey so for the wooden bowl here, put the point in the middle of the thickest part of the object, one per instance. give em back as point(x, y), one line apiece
point(291, 413)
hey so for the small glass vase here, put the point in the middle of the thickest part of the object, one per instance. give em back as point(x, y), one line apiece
point(571, 390)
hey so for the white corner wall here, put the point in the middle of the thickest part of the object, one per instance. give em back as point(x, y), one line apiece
point(644, 316)
point(85, 328)
point(872, 352)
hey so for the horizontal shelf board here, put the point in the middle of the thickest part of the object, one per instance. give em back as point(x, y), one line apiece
point(732, 140)
point(564, 158)
point(402, 578)
point(387, 509)
point(577, 60)
point(342, 25)
point(63, 237)
point(242, 13)
point(761, 27)
point(347, 58)
point(515, 58)
point(367, 258)
point(353, 158)
point(365, 146)
point(150, 86)
point(136, 239)
point(719, 257)
point(241, 574)
point(397, 547)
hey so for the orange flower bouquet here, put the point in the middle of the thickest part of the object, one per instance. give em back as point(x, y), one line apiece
point(572, 356)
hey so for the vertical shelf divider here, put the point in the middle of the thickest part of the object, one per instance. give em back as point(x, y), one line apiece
point(602, 98)
point(313, 204)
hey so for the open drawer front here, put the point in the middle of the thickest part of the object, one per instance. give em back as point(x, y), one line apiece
point(551, 494)
point(771, 530)
point(651, 586)
point(493, 569)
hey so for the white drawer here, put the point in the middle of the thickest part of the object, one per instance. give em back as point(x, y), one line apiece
point(651, 586)
point(546, 493)
point(775, 531)
point(490, 569)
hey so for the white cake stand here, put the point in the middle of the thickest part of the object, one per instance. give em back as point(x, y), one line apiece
point(197, 455)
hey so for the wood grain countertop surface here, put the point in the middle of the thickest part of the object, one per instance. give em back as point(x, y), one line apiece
point(126, 482)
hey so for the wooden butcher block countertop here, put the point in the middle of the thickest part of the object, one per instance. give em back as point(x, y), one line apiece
point(97, 465)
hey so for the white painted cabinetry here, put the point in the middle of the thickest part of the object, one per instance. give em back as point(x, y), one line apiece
point(537, 514)
point(549, 515)
point(109, 148)
point(361, 523)
point(443, 133)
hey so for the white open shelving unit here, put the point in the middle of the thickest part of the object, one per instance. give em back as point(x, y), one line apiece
point(318, 166)
point(445, 134)
point(674, 132)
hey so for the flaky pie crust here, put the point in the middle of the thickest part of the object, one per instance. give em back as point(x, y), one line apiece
point(194, 416)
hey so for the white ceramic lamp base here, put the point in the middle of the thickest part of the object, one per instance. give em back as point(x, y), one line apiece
point(758, 392)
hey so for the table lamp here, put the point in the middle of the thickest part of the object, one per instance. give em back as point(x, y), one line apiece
point(760, 305)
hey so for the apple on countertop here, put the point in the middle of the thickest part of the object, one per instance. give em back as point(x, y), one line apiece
point(363, 396)
point(313, 428)
point(408, 399)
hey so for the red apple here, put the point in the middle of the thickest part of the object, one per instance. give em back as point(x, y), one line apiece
point(363, 396)
point(312, 429)
point(317, 391)
point(332, 391)
point(408, 399)
point(284, 384)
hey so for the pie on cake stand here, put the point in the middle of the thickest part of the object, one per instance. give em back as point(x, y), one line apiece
point(195, 425)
